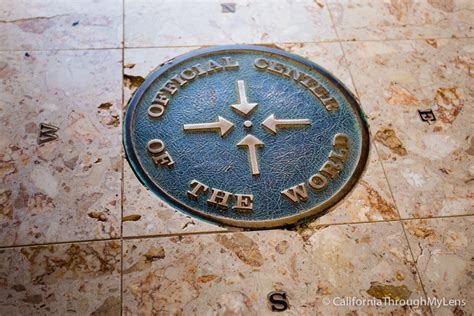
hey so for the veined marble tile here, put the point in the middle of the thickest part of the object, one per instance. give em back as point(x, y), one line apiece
point(178, 23)
point(402, 19)
point(232, 273)
point(66, 189)
point(443, 249)
point(67, 279)
point(429, 165)
point(57, 24)
point(145, 214)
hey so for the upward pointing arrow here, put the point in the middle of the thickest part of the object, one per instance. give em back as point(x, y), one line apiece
point(222, 125)
point(252, 142)
point(244, 107)
point(271, 123)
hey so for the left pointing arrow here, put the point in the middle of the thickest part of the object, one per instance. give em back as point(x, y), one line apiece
point(222, 125)
point(271, 123)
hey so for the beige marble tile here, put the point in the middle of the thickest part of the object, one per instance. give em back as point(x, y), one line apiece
point(145, 214)
point(328, 55)
point(232, 273)
point(430, 167)
point(69, 188)
point(185, 23)
point(370, 200)
point(139, 63)
point(56, 24)
point(402, 19)
point(443, 249)
point(67, 279)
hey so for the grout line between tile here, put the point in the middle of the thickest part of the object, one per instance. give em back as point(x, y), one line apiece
point(381, 164)
point(435, 217)
point(122, 179)
point(316, 226)
point(338, 40)
point(57, 49)
point(124, 238)
point(259, 43)
point(55, 243)
point(404, 230)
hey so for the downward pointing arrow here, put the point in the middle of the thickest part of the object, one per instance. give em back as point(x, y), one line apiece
point(222, 125)
point(244, 107)
point(252, 142)
point(271, 123)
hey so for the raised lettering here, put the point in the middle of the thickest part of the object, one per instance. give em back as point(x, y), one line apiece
point(319, 91)
point(214, 66)
point(243, 202)
point(200, 71)
point(293, 74)
point(188, 74)
point(297, 193)
point(331, 104)
point(306, 80)
point(275, 67)
point(260, 63)
point(338, 156)
point(197, 189)
point(318, 182)
point(161, 99)
point(331, 169)
point(179, 80)
point(156, 110)
point(229, 64)
point(160, 156)
point(219, 198)
point(341, 140)
point(155, 146)
point(164, 160)
point(169, 87)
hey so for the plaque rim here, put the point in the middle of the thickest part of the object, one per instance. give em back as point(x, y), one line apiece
point(319, 209)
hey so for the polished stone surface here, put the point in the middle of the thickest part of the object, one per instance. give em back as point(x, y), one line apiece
point(443, 251)
point(402, 19)
point(66, 279)
point(232, 273)
point(207, 23)
point(429, 165)
point(397, 56)
point(57, 24)
point(67, 189)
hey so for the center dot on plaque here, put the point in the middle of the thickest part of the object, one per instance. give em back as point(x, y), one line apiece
point(248, 124)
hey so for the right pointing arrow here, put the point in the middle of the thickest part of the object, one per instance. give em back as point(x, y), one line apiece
point(271, 123)
point(252, 142)
point(222, 125)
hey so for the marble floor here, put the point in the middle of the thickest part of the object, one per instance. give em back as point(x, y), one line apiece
point(80, 235)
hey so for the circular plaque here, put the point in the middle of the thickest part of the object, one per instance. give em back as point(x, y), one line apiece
point(246, 136)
